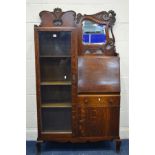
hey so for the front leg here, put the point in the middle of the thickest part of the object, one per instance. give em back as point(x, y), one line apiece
point(118, 145)
point(38, 147)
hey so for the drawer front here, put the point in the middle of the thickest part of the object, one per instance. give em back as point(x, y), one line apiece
point(99, 100)
point(98, 115)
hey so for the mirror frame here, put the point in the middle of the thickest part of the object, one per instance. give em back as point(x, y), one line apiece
point(106, 18)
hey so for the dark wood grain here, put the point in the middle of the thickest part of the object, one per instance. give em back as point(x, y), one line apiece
point(98, 74)
point(38, 96)
point(92, 110)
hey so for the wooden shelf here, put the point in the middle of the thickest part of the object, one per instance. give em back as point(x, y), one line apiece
point(56, 132)
point(56, 105)
point(55, 56)
point(56, 83)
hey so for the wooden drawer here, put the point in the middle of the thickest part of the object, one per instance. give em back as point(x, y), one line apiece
point(99, 100)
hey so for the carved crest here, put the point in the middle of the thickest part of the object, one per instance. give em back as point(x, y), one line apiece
point(78, 18)
point(58, 14)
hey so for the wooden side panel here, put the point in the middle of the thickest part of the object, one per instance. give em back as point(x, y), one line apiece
point(37, 67)
point(98, 74)
point(74, 82)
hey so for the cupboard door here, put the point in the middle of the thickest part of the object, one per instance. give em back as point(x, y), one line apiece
point(98, 118)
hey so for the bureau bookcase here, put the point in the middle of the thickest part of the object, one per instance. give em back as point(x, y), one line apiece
point(77, 77)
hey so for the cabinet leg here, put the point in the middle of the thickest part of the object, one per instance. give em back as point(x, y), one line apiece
point(38, 147)
point(118, 145)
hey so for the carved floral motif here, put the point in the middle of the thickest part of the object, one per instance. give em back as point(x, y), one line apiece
point(78, 18)
point(58, 14)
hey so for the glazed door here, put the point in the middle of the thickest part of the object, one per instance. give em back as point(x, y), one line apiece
point(56, 52)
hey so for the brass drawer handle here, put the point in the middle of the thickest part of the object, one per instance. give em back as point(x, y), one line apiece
point(81, 121)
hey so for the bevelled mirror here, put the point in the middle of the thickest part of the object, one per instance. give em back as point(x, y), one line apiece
point(93, 33)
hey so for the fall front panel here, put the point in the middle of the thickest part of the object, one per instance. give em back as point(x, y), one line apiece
point(98, 74)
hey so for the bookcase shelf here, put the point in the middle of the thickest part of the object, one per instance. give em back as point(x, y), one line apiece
point(55, 56)
point(56, 105)
point(56, 83)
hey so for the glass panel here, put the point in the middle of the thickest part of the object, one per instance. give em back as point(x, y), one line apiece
point(55, 69)
point(56, 93)
point(56, 119)
point(54, 43)
point(93, 33)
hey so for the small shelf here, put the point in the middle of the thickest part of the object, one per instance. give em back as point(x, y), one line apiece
point(57, 132)
point(56, 83)
point(55, 56)
point(56, 105)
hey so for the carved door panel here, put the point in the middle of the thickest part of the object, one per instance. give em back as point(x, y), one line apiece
point(98, 118)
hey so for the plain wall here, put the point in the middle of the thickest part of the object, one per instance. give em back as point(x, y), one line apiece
point(121, 33)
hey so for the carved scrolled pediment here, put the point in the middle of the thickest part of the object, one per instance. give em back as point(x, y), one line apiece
point(57, 18)
point(69, 18)
point(101, 17)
